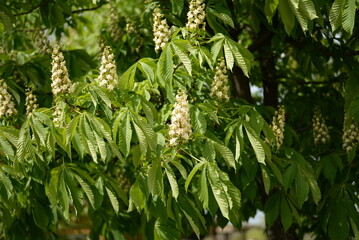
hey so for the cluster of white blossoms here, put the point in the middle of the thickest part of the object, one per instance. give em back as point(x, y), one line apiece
point(350, 136)
point(161, 30)
point(108, 73)
point(220, 84)
point(7, 106)
point(58, 114)
point(277, 126)
point(196, 15)
point(114, 28)
point(320, 129)
point(180, 128)
point(61, 83)
point(42, 43)
point(130, 26)
point(30, 101)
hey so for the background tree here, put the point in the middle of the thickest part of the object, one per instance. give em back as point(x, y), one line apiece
point(126, 111)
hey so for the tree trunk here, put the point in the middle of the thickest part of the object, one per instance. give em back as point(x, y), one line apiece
point(276, 232)
point(267, 65)
point(241, 88)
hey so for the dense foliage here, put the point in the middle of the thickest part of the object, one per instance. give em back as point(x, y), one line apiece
point(140, 117)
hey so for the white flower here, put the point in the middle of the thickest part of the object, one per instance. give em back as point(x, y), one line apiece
point(320, 129)
point(180, 128)
point(61, 83)
point(196, 15)
point(220, 86)
point(7, 106)
point(114, 28)
point(42, 43)
point(160, 29)
point(30, 101)
point(108, 73)
point(350, 135)
point(277, 126)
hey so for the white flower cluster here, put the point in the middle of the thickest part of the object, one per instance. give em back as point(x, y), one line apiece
point(196, 15)
point(180, 128)
point(7, 106)
point(320, 129)
point(161, 30)
point(350, 136)
point(278, 126)
point(42, 43)
point(30, 101)
point(58, 115)
point(114, 28)
point(220, 84)
point(60, 77)
point(108, 73)
point(130, 27)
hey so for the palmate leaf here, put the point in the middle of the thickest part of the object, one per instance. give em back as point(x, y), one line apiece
point(87, 189)
point(147, 66)
point(242, 56)
point(226, 153)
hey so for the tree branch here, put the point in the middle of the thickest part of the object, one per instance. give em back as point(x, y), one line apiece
point(87, 9)
point(33, 9)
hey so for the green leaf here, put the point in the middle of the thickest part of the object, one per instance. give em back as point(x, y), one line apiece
point(87, 189)
point(136, 196)
point(226, 154)
point(127, 79)
point(192, 214)
point(198, 120)
point(242, 56)
point(286, 214)
point(71, 128)
point(113, 200)
point(125, 134)
point(172, 180)
point(349, 16)
point(41, 216)
point(166, 230)
point(147, 66)
point(287, 15)
point(192, 173)
point(203, 189)
point(217, 46)
point(228, 56)
point(256, 144)
point(302, 188)
point(335, 14)
point(266, 178)
point(165, 66)
point(75, 192)
point(270, 8)
point(180, 52)
point(64, 199)
point(272, 208)
point(177, 6)
point(155, 178)
point(7, 18)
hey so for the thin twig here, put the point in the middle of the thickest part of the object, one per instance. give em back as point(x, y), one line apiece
point(87, 9)
point(33, 9)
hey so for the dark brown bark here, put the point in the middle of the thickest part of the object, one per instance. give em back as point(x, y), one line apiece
point(276, 232)
point(267, 65)
point(241, 88)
